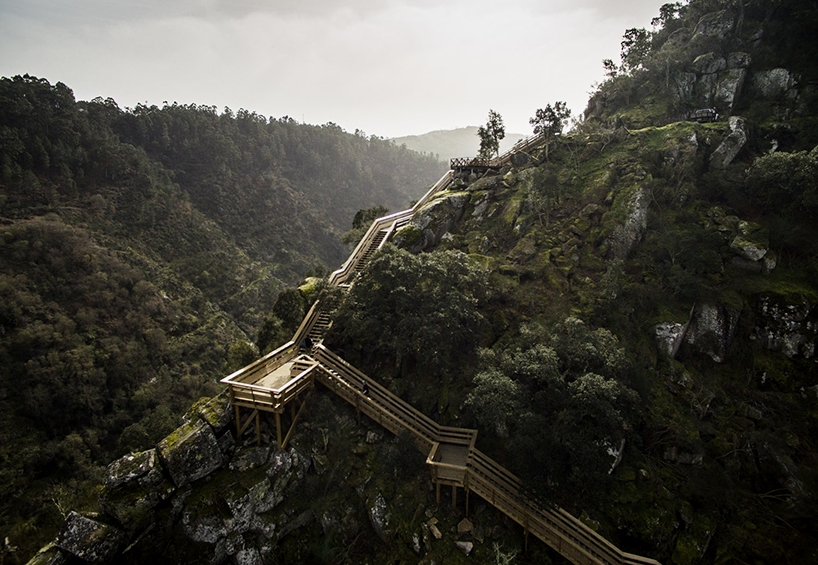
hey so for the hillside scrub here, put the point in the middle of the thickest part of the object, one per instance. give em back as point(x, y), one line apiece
point(140, 251)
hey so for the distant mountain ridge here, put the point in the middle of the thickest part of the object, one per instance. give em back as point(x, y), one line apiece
point(448, 144)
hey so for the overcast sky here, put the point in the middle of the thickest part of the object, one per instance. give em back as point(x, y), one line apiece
point(387, 67)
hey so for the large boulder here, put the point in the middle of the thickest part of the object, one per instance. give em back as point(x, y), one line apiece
point(190, 452)
point(432, 222)
point(715, 24)
point(711, 329)
point(669, 337)
point(773, 84)
point(751, 242)
point(627, 236)
point(217, 412)
point(134, 484)
point(89, 539)
point(728, 88)
point(49, 555)
point(709, 63)
point(786, 323)
point(732, 144)
point(380, 517)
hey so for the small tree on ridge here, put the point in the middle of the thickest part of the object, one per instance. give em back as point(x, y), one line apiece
point(490, 136)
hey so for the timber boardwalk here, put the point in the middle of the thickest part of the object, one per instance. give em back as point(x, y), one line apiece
point(285, 376)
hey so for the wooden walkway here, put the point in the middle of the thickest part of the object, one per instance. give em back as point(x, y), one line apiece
point(481, 164)
point(279, 378)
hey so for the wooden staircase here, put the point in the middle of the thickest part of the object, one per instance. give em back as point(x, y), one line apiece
point(482, 475)
point(323, 321)
point(376, 243)
point(477, 472)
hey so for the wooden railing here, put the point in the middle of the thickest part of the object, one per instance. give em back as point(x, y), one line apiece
point(263, 365)
point(496, 162)
point(307, 324)
point(390, 223)
point(254, 396)
point(481, 474)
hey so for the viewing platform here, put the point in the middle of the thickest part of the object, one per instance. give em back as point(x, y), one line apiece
point(270, 384)
point(286, 376)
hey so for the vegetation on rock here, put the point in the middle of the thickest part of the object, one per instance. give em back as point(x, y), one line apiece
point(140, 251)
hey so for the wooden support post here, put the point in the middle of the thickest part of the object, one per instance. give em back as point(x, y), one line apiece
point(438, 493)
point(454, 496)
point(258, 430)
point(278, 430)
point(466, 488)
point(292, 424)
point(238, 422)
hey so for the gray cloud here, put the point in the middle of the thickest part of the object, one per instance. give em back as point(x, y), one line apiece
point(389, 67)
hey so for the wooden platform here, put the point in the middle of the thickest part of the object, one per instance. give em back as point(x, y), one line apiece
point(277, 380)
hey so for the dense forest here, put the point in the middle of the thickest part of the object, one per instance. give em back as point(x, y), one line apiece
point(628, 313)
point(140, 251)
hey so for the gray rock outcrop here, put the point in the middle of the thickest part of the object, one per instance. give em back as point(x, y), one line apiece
point(379, 516)
point(628, 235)
point(216, 412)
point(669, 337)
point(711, 329)
point(732, 144)
point(773, 84)
point(432, 222)
point(787, 324)
point(716, 24)
point(134, 485)
point(521, 159)
point(89, 539)
point(190, 452)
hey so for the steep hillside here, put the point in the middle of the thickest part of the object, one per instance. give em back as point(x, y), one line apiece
point(627, 313)
point(140, 251)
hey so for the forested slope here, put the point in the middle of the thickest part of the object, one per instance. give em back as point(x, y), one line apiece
point(140, 250)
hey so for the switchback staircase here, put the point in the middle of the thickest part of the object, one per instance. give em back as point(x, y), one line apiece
point(284, 376)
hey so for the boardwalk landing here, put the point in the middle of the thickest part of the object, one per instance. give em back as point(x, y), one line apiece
point(287, 375)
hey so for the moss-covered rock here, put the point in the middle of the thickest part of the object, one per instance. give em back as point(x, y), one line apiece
point(88, 539)
point(190, 452)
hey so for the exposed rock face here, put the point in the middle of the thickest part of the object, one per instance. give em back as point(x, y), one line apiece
point(49, 555)
point(710, 330)
point(432, 222)
point(747, 246)
point(521, 159)
point(627, 236)
point(787, 324)
point(713, 80)
point(709, 63)
point(217, 412)
point(732, 144)
point(190, 453)
point(134, 484)
point(774, 84)
point(249, 458)
point(670, 337)
point(88, 539)
point(717, 24)
point(379, 516)
point(728, 88)
point(465, 546)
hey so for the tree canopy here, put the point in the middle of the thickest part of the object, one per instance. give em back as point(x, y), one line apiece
point(490, 136)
